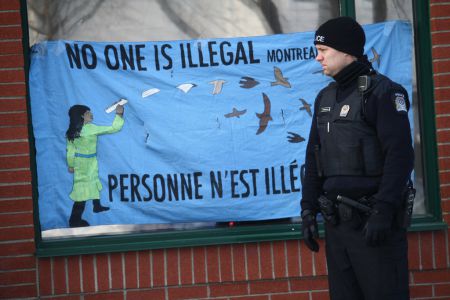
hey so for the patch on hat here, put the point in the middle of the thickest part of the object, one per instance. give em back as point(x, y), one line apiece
point(400, 103)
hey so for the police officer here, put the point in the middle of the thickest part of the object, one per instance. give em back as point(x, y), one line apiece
point(359, 147)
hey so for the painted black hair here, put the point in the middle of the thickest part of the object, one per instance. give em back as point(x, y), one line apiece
point(76, 113)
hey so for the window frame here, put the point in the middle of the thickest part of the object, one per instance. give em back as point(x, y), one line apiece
point(432, 220)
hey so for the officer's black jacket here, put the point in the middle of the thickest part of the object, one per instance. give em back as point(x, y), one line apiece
point(393, 132)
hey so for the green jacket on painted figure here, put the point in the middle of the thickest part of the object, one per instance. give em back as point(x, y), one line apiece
point(82, 157)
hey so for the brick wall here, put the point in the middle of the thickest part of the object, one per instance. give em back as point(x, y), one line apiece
point(268, 270)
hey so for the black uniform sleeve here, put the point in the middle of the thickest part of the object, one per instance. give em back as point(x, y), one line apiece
point(312, 184)
point(387, 110)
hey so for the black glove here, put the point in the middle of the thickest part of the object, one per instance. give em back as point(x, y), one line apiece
point(379, 224)
point(310, 230)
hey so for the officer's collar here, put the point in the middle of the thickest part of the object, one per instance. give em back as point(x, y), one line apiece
point(350, 73)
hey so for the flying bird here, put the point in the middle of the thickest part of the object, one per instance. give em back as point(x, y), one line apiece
point(295, 137)
point(376, 56)
point(218, 84)
point(149, 92)
point(280, 80)
point(306, 106)
point(186, 87)
point(248, 82)
point(265, 116)
point(235, 113)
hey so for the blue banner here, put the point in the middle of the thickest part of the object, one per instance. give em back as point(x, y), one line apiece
point(214, 129)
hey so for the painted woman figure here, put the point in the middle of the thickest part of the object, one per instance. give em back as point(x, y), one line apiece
point(82, 159)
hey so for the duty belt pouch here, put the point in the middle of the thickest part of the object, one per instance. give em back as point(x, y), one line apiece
point(345, 212)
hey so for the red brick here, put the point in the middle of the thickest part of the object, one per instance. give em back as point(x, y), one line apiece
point(87, 273)
point(420, 291)
point(306, 260)
point(17, 277)
point(445, 205)
point(104, 296)
point(73, 270)
point(225, 263)
point(15, 148)
point(309, 283)
point(11, 75)
point(144, 269)
point(269, 286)
point(440, 38)
point(320, 296)
point(131, 270)
point(239, 262)
point(154, 294)
point(265, 257)
point(228, 289)
point(443, 121)
point(10, 18)
point(253, 271)
point(17, 263)
point(172, 267)
point(441, 66)
point(45, 276)
point(259, 297)
point(21, 291)
point(159, 276)
point(439, 11)
point(212, 258)
point(279, 259)
point(14, 119)
point(426, 250)
point(442, 94)
point(191, 292)
point(15, 191)
point(18, 205)
point(12, 89)
point(440, 251)
point(75, 297)
point(15, 176)
point(441, 290)
point(435, 276)
point(59, 275)
point(116, 270)
point(186, 266)
point(444, 177)
point(442, 80)
point(15, 104)
point(291, 296)
point(102, 272)
point(11, 133)
point(16, 219)
point(13, 47)
point(11, 32)
point(9, 4)
point(444, 150)
point(443, 136)
point(14, 162)
point(11, 61)
point(293, 256)
point(17, 248)
point(199, 265)
point(16, 233)
point(441, 52)
point(320, 260)
point(439, 24)
point(413, 251)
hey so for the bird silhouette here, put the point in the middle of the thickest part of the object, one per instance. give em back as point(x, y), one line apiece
point(265, 116)
point(295, 137)
point(248, 82)
point(186, 87)
point(280, 80)
point(306, 106)
point(376, 56)
point(218, 84)
point(149, 92)
point(235, 113)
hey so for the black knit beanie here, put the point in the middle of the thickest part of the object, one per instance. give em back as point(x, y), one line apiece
point(343, 34)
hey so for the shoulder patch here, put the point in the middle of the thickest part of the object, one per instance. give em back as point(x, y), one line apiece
point(400, 103)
